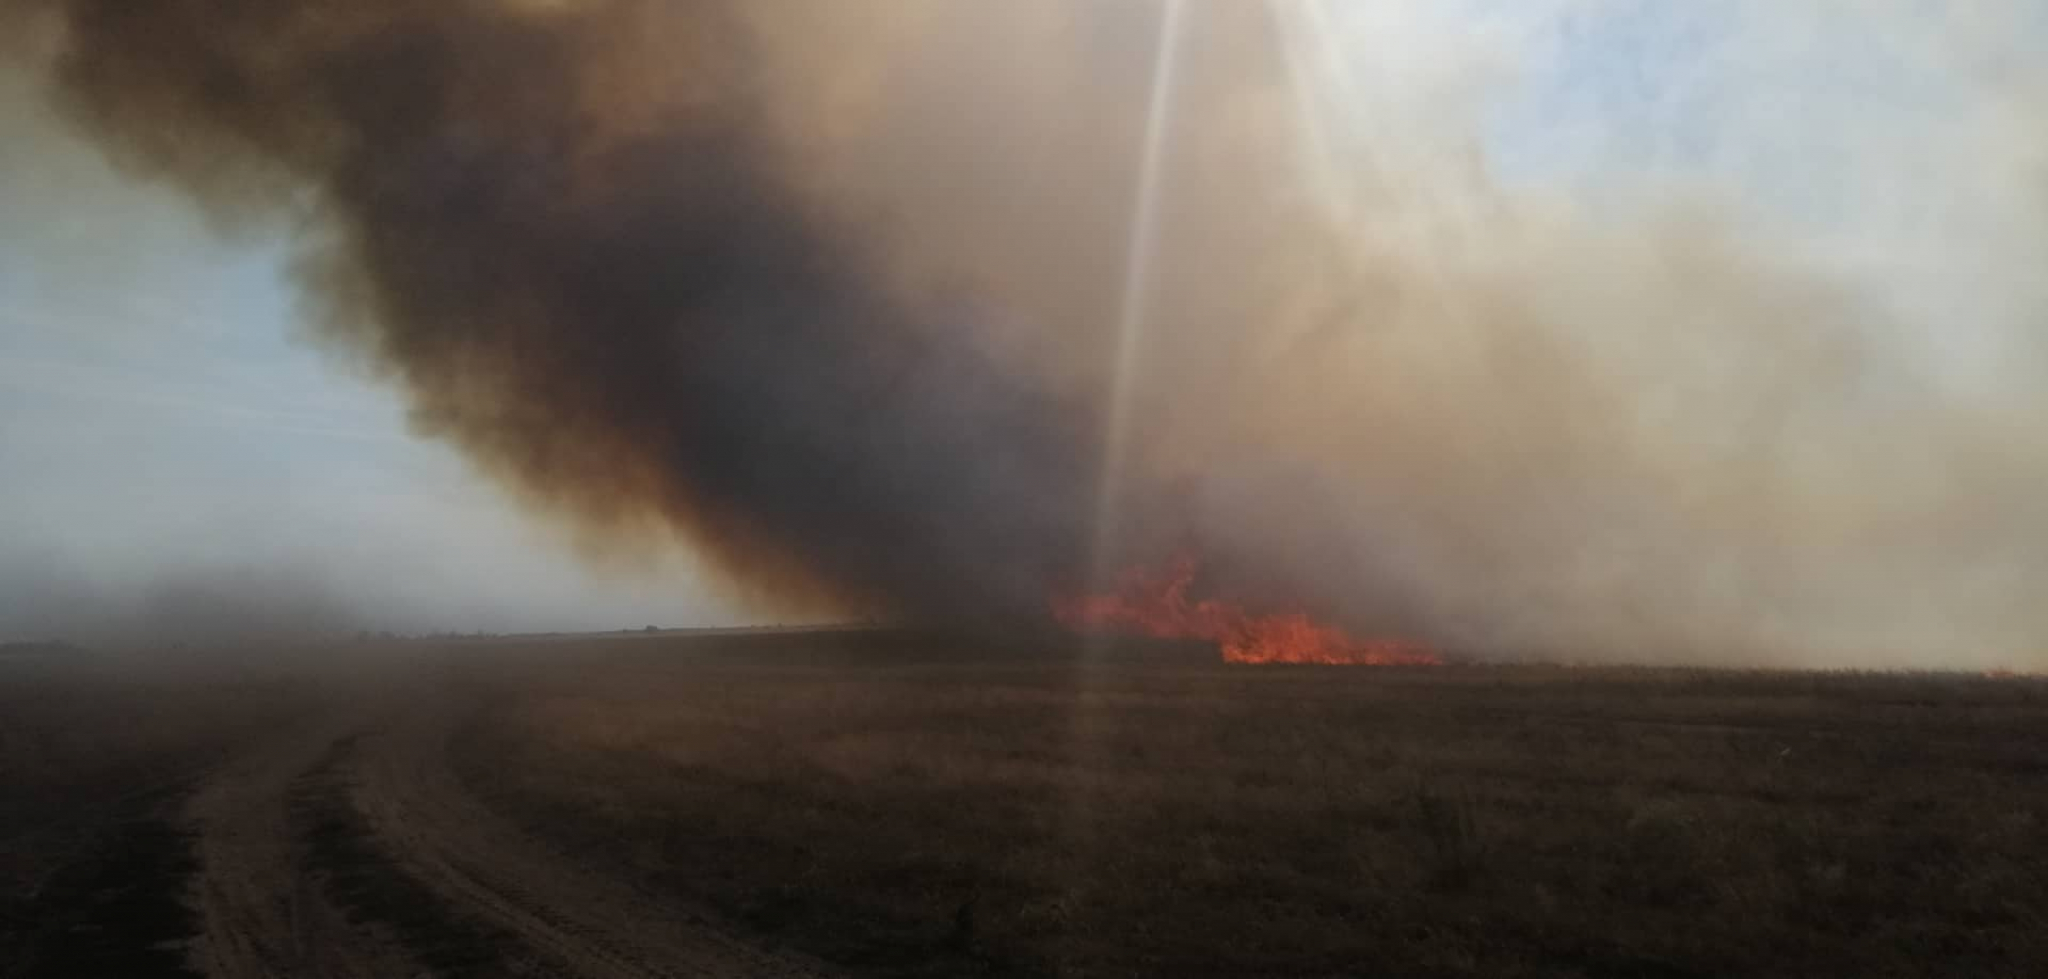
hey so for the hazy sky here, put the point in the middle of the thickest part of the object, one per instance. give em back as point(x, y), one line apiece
point(165, 421)
point(163, 414)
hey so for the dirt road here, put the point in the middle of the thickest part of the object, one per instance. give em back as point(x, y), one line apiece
point(344, 845)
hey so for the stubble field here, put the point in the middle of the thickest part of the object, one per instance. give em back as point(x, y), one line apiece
point(868, 804)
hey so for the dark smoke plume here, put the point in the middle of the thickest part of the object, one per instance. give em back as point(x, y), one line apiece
point(564, 229)
point(832, 290)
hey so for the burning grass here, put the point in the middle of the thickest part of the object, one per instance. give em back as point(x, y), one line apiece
point(1158, 605)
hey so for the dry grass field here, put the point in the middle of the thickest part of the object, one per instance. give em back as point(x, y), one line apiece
point(828, 804)
point(937, 817)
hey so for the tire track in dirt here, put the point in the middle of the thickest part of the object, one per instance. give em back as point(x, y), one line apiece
point(264, 907)
point(380, 895)
point(342, 845)
point(575, 920)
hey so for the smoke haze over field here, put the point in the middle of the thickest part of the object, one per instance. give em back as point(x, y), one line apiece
point(1704, 336)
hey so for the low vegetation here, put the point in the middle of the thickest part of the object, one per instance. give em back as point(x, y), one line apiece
point(923, 809)
point(921, 815)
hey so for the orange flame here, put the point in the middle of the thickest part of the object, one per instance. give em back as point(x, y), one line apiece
point(1156, 604)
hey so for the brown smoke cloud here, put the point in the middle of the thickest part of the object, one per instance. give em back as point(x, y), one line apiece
point(832, 291)
point(566, 231)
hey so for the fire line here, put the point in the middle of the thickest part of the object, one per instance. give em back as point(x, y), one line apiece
point(1157, 604)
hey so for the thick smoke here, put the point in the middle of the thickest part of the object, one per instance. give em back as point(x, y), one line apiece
point(1662, 419)
point(563, 228)
point(212, 607)
point(832, 290)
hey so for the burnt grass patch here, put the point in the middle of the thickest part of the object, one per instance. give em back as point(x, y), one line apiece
point(119, 909)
